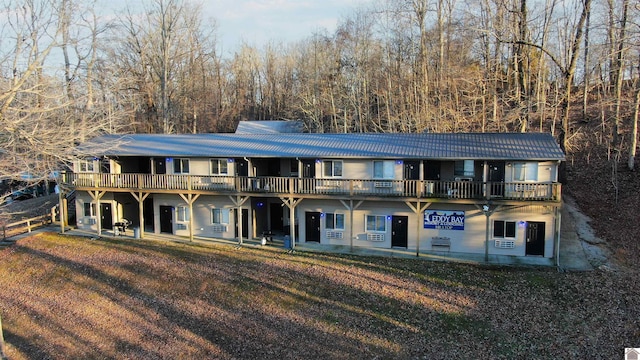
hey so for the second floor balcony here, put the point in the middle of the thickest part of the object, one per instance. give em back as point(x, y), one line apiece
point(345, 188)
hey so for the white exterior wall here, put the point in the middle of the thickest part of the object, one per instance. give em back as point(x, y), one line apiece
point(202, 218)
point(90, 223)
point(547, 171)
point(360, 169)
point(201, 166)
point(470, 240)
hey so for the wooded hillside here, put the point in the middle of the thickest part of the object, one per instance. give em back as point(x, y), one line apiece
point(565, 67)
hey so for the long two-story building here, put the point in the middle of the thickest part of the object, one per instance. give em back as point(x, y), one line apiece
point(483, 193)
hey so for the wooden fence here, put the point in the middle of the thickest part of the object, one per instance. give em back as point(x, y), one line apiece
point(26, 226)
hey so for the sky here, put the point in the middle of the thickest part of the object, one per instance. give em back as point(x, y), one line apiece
point(259, 21)
point(256, 22)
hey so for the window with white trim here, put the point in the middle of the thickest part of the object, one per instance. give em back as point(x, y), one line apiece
point(525, 171)
point(332, 168)
point(89, 209)
point(183, 214)
point(86, 166)
point(383, 169)
point(376, 223)
point(504, 229)
point(219, 167)
point(463, 168)
point(180, 166)
point(219, 216)
point(334, 221)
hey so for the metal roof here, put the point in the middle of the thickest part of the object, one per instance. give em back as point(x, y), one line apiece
point(472, 146)
point(269, 127)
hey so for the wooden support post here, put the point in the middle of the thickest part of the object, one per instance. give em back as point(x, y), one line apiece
point(238, 201)
point(61, 210)
point(351, 208)
point(291, 203)
point(418, 209)
point(140, 197)
point(190, 199)
point(96, 196)
point(487, 236)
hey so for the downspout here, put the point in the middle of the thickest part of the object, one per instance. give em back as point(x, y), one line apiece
point(249, 170)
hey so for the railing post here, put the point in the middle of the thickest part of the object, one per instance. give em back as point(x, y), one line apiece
point(487, 190)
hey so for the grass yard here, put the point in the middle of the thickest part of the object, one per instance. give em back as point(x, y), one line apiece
point(65, 297)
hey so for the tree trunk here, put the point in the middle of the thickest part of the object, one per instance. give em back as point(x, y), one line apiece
point(619, 67)
point(634, 133)
point(585, 94)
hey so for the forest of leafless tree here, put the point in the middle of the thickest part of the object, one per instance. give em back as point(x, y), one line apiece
point(69, 73)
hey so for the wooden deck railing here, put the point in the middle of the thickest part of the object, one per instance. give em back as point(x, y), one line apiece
point(342, 187)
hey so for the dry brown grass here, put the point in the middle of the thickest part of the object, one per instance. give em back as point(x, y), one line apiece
point(68, 297)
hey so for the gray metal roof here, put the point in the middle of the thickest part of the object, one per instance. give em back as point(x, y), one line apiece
point(269, 127)
point(472, 146)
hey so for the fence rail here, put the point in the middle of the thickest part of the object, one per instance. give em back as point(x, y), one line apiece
point(26, 226)
point(313, 186)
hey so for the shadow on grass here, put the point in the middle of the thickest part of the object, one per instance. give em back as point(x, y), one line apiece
point(237, 334)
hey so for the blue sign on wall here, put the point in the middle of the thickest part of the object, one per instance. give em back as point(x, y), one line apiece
point(444, 220)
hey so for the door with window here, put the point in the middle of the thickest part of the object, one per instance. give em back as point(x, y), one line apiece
point(496, 178)
point(411, 172)
point(166, 219)
point(399, 231)
point(312, 226)
point(535, 235)
point(160, 166)
point(308, 174)
point(106, 216)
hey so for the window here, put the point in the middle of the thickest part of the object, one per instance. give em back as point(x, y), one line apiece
point(183, 213)
point(463, 168)
point(86, 166)
point(376, 223)
point(332, 168)
point(220, 216)
point(180, 166)
point(334, 221)
point(89, 209)
point(504, 229)
point(219, 167)
point(383, 169)
point(525, 171)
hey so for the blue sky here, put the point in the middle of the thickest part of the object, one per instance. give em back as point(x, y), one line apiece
point(258, 21)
